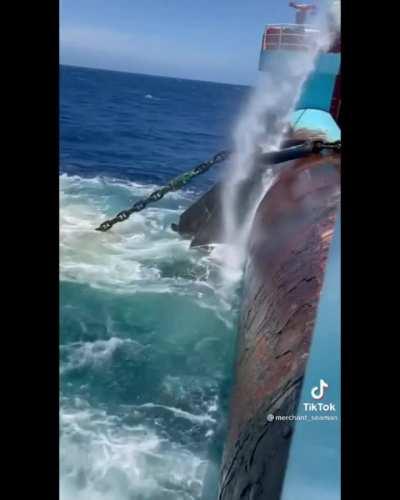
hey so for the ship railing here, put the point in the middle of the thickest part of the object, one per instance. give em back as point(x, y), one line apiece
point(289, 37)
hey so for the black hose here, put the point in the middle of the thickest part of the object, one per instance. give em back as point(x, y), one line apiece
point(291, 150)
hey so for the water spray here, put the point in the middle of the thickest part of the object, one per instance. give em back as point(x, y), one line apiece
point(263, 125)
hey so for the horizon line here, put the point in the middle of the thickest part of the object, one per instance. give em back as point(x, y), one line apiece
point(154, 75)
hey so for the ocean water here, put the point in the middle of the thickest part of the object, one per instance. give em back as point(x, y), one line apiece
point(147, 328)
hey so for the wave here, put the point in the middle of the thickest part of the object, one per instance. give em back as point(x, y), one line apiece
point(146, 334)
point(104, 458)
point(197, 419)
point(95, 354)
point(152, 97)
point(141, 255)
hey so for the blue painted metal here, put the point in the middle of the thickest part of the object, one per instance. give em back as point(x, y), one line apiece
point(315, 119)
point(318, 89)
point(313, 471)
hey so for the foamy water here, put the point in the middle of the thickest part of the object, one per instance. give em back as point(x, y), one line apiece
point(106, 457)
point(147, 336)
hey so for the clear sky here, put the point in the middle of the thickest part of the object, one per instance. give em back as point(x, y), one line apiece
point(215, 40)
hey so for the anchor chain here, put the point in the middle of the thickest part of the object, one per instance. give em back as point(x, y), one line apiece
point(175, 184)
point(304, 149)
point(319, 146)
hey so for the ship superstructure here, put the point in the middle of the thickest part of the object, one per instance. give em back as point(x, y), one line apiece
point(285, 42)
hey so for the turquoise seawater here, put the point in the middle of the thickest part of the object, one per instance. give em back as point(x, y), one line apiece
point(147, 327)
point(147, 340)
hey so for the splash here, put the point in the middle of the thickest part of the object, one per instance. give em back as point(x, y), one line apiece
point(263, 124)
point(334, 13)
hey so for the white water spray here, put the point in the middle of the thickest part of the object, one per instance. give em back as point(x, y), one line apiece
point(262, 125)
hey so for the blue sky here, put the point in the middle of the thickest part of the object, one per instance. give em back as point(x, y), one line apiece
point(215, 40)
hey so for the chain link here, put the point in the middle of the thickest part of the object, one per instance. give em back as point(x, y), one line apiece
point(173, 185)
point(180, 181)
point(319, 146)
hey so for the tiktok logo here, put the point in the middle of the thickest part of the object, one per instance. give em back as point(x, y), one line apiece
point(318, 392)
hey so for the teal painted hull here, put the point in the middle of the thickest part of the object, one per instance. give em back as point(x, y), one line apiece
point(318, 90)
point(318, 120)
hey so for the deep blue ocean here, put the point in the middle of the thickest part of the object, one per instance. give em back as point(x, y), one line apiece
point(146, 333)
point(142, 128)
